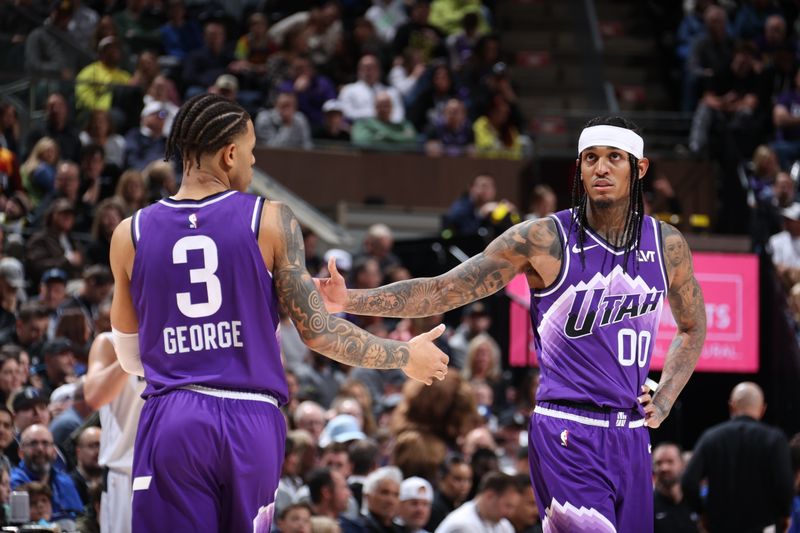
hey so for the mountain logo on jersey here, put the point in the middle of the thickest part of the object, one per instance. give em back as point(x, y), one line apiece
point(603, 300)
point(193, 221)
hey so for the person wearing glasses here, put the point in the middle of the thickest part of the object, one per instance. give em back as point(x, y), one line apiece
point(38, 454)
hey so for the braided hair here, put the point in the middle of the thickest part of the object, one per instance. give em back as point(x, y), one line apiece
point(632, 232)
point(204, 124)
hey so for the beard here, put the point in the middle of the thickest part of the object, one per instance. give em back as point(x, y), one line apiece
point(40, 468)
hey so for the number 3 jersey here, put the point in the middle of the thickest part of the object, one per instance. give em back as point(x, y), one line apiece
point(595, 327)
point(206, 303)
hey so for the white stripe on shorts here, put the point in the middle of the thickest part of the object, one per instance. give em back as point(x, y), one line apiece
point(232, 394)
point(544, 411)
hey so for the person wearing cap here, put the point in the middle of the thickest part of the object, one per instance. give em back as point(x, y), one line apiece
point(334, 127)
point(146, 143)
point(96, 288)
point(30, 329)
point(52, 293)
point(598, 275)
point(30, 407)
point(54, 246)
point(94, 85)
point(416, 496)
point(59, 365)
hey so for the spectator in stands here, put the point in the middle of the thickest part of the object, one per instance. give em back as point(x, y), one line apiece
point(544, 201)
point(12, 282)
point(672, 515)
point(363, 456)
point(322, 25)
point(52, 291)
point(58, 127)
point(419, 34)
point(109, 213)
point(359, 99)
point(406, 72)
point(6, 443)
point(180, 35)
point(138, 26)
point(17, 21)
point(40, 503)
point(66, 186)
point(526, 517)
point(380, 131)
point(252, 51)
point(59, 365)
point(131, 191)
point(785, 246)
point(496, 136)
point(466, 215)
point(431, 96)
point(97, 286)
point(81, 27)
point(710, 56)
point(95, 185)
point(446, 15)
point(690, 29)
point(786, 118)
point(96, 83)
point(29, 330)
point(10, 380)
point(747, 467)
point(483, 361)
point(15, 220)
point(329, 497)
point(163, 90)
point(100, 131)
point(39, 464)
point(751, 17)
point(416, 495)
point(378, 244)
point(146, 143)
point(87, 473)
point(47, 49)
point(294, 42)
point(54, 246)
point(10, 128)
point(386, 16)
point(777, 54)
point(283, 126)
point(227, 86)
point(146, 70)
point(334, 127)
point(310, 417)
point(382, 497)
point(39, 170)
point(452, 134)
point(203, 66)
point(497, 498)
point(311, 89)
point(461, 44)
point(160, 180)
point(296, 518)
point(475, 319)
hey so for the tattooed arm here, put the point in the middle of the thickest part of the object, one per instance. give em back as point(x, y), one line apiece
point(688, 308)
point(281, 242)
point(525, 248)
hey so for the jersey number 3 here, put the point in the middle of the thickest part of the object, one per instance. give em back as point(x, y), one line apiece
point(203, 275)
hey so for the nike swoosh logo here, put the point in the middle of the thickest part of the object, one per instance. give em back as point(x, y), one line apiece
point(577, 250)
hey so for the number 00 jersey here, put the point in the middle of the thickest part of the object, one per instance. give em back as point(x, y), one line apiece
point(595, 328)
point(205, 301)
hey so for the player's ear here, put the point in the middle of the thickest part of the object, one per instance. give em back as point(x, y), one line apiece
point(229, 155)
point(643, 164)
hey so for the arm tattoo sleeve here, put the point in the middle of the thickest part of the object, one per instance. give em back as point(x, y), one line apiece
point(688, 308)
point(324, 333)
point(476, 278)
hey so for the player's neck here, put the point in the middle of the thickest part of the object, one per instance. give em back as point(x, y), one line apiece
point(608, 220)
point(200, 182)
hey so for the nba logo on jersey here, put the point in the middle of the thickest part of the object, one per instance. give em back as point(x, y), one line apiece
point(564, 437)
point(193, 221)
point(621, 419)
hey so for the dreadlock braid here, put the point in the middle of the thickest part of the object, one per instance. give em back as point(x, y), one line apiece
point(632, 231)
point(203, 125)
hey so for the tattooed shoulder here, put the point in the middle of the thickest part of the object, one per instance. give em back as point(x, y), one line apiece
point(544, 236)
point(676, 252)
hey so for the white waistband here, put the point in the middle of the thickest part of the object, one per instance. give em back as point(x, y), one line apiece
point(552, 413)
point(232, 394)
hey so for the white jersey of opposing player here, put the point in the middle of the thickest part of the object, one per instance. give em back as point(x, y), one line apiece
point(119, 420)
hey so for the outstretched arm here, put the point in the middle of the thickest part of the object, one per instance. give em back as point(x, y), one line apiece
point(688, 308)
point(327, 334)
point(523, 248)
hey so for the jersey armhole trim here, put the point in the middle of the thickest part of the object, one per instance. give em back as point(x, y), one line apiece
point(255, 222)
point(660, 244)
point(562, 272)
point(136, 233)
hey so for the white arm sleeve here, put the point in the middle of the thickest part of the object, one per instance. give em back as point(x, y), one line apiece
point(127, 347)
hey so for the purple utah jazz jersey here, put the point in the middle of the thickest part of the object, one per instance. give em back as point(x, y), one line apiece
point(595, 327)
point(205, 301)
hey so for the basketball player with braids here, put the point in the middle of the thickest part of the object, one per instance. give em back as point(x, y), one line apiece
point(598, 274)
point(199, 278)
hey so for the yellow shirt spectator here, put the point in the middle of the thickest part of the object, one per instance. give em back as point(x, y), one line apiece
point(95, 83)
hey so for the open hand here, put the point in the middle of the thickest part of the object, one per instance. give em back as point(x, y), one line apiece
point(333, 289)
point(426, 361)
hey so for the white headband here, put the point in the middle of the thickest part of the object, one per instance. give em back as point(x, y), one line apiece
point(621, 138)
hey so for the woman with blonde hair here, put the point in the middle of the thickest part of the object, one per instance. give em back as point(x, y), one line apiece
point(39, 170)
point(360, 393)
point(131, 191)
point(483, 359)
